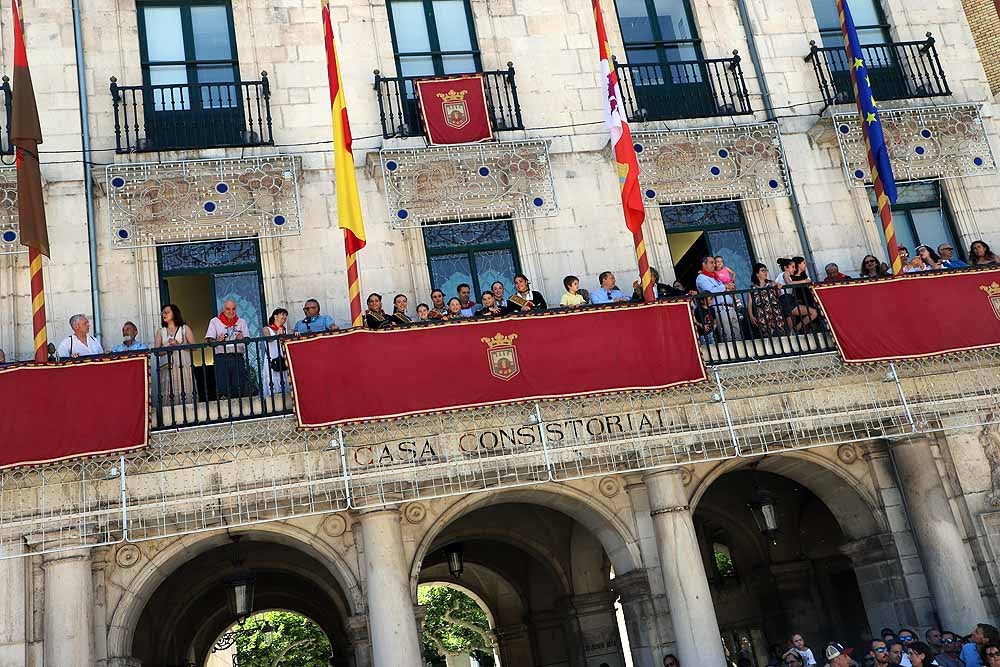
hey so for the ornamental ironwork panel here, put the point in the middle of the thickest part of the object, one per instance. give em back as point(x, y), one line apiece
point(202, 200)
point(10, 230)
point(734, 163)
point(927, 143)
point(467, 183)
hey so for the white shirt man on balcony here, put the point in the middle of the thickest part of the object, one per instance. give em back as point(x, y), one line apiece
point(80, 343)
point(725, 305)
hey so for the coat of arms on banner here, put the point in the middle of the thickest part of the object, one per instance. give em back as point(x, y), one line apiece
point(456, 111)
point(993, 292)
point(502, 356)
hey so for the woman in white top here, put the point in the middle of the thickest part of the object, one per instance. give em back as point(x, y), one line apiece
point(176, 367)
point(276, 368)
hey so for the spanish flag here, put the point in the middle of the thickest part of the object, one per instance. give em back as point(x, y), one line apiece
point(348, 201)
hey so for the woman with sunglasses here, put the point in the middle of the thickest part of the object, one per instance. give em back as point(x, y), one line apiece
point(992, 655)
point(870, 268)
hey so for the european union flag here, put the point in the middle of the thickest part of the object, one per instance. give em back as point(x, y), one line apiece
point(871, 122)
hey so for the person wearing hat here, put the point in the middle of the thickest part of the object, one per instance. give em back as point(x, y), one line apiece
point(837, 655)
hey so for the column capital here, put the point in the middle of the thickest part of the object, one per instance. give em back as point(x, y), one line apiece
point(666, 491)
point(632, 586)
point(874, 450)
point(373, 511)
point(512, 631)
point(868, 550)
point(356, 627)
point(56, 557)
point(592, 603)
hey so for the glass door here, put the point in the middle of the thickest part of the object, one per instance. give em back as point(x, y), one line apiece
point(717, 229)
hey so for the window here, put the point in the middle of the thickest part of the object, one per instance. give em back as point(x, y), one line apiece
point(188, 44)
point(723, 560)
point(433, 37)
point(716, 228)
point(478, 253)
point(868, 18)
point(658, 31)
point(919, 216)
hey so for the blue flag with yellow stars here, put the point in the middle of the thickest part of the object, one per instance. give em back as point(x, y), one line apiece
point(871, 123)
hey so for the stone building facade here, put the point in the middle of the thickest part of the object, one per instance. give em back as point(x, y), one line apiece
point(886, 477)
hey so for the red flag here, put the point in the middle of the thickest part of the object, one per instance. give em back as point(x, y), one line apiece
point(26, 135)
point(454, 110)
point(626, 161)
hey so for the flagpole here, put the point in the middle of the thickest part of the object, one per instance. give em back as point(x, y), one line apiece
point(353, 282)
point(883, 180)
point(643, 261)
point(38, 306)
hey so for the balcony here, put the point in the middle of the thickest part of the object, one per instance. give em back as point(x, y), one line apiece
point(706, 88)
point(399, 104)
point(250, 386)
point(188, 116)
point(897, 71)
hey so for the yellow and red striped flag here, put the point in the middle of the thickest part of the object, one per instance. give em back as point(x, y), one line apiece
point(626, 161)
point(26, 135)
point(348, 200)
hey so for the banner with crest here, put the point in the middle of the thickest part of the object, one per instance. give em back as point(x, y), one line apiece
point(455, 110)
point(360, 374)
point(917, 315)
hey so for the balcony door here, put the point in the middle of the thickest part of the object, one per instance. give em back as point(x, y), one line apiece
point(887, 78)
point(714, 228)
point(665, 63)
point(190, 73)
point(430, 38)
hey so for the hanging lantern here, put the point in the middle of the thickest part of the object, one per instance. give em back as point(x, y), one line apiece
point(239, 595)
point(456, 560)
point(765, 513)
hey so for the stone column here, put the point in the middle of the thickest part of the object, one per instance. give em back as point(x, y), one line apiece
point(14, 611)
point(696, 630)
point(945, 558)
point(514, 645)
point(69, 609)
point(391, 622)
point(640, 615)
point(598, 628)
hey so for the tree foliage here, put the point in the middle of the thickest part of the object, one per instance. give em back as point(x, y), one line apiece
point(293, 638)
point(442, 603)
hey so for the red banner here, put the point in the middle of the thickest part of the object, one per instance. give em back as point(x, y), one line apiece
point(918, 315)
point(61, 411)
point(454, 111)
point(362, 374)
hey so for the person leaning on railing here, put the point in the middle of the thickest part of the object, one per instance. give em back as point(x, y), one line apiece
point(525, 298)
point(729, 327)
point(489, 307)
point(176, 368)
point(375, 317)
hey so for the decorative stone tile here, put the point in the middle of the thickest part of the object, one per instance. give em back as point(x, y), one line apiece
point(201, 200)
point(467, 183)
point(926, 143)
point(10, 231)
point(733, 163)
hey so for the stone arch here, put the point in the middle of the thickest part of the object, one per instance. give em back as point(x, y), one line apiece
point(851, 502)
point(614, 535)
point(151, 575)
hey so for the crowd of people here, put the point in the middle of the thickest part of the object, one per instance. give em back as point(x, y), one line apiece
point(944, 648)
point(722, 314)
point(905, 648)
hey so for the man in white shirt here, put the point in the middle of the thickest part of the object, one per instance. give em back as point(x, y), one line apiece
point(80, 343)
point(725, 305)
point(231, 378)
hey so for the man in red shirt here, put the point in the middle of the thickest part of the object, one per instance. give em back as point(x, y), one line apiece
point(833, 274)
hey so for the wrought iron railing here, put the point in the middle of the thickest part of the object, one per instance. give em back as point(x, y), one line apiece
point(683, 89)
point(6, 147)
point(399, 103)
point(196, 115)
point(210, 383)
point(896, 70)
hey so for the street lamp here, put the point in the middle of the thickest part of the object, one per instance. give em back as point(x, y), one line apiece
point(239, 586)
point(456, 560)
point(765, 514)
